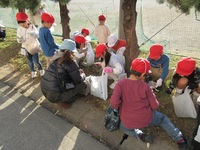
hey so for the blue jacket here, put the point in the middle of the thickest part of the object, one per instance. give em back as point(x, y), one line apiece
point(163, 62)
point(47, 42)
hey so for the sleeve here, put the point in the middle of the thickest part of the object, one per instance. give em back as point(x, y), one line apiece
point(79, 55)
point(20, 36)
point(50, 40)
point(154, 104)
point(74, 73)
point(115, 99)
point(118, 68)
point(165, 68)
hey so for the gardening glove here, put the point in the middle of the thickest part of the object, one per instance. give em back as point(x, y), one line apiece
point(159, 82)
point(108, 70)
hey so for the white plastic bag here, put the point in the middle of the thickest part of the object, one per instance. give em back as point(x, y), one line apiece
point(90, 55)
point(32, 45)
point(23, 51)
point(183, 105)
point(197, 137)
point(98, 85)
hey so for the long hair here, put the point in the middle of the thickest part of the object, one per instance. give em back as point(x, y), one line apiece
point(107, 58)
point(66, 57)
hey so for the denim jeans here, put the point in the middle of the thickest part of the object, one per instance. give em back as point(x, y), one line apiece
point(163, 121)
point(34, 59)
point(158, 119)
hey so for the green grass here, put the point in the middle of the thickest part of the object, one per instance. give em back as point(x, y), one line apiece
point(10, 51)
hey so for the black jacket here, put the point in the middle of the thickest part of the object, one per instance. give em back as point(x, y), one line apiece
point(193, 79)
point(68, 73)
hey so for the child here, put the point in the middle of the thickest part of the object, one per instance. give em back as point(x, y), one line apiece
point(186, 74)
point(118, 45)
point(159, 64)
point(137, 105)
point(113, 65)
point(24, 31)
point(81, 49)
point(46, 38)
point(85, 32)
point(102, 30)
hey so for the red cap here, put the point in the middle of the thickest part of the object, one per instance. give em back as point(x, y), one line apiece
point(141, 65)
point(21, 16)
point(85, 30)
point(100, 49)
point(185, 66)
point(80, 39)
point(46, 17)
point(102, 17)
point(156, 51)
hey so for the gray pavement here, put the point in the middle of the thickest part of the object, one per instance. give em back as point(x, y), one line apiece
point(25, 125)
point(18, 111)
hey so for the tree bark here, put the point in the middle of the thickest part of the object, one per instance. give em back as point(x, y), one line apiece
point(64, 14)
point(130, 19)
point(121, 21)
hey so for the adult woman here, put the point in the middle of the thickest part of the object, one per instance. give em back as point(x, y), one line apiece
point(63, 81)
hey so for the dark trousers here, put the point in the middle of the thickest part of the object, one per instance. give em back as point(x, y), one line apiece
point(68, 96)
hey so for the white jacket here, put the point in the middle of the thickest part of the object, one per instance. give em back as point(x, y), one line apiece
point(22, 33)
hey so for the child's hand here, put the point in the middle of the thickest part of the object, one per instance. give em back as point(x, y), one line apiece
point(108, 69)
point(159, 82)
point(85, 52)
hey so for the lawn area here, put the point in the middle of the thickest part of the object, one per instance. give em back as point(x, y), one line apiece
point(10, 53)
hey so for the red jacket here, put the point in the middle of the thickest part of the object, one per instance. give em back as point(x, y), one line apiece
point(121, 43)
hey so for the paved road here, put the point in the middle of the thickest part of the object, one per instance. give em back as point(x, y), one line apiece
point(24, 125)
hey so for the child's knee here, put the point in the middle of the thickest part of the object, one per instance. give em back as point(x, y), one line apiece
point(182, 83)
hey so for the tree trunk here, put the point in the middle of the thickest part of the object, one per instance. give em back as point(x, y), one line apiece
point(130, 19)
point(121, 21)
point(21, 10)
point(64, 20)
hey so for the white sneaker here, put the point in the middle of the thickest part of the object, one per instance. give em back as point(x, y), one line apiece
point(33, 74)
point(42, 72)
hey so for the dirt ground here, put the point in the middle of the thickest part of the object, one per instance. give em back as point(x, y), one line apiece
point(14, 72)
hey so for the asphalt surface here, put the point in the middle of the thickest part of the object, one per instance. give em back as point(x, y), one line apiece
point(25, 125)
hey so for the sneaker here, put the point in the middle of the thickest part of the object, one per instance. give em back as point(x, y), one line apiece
point(183, 144)
point(33, 74)
point(42, 72)
point(147, 138)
